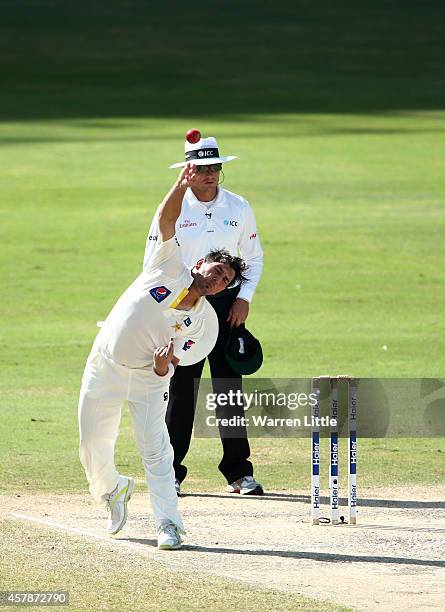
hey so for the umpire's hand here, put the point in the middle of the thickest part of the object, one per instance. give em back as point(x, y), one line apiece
point(238, 313)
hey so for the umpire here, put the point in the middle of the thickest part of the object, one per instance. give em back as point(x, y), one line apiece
point(213, 218)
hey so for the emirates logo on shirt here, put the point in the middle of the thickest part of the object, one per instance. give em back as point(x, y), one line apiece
point(187, 223)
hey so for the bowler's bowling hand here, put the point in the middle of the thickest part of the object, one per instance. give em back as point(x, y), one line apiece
point(238, 313)
point(163, 356)
point(187, 176)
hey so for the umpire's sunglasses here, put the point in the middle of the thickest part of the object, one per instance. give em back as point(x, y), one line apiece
point(213, 168)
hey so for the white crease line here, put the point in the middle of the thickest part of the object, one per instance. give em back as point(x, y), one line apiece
point(96, 536)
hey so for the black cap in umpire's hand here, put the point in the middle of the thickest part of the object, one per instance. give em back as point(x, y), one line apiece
point(243, 351)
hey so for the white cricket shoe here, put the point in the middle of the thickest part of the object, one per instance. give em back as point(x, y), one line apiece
point(247, 485)
point(168, 536)
point(117, 504)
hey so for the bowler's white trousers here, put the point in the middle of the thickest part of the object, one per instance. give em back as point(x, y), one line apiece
point(105, 386)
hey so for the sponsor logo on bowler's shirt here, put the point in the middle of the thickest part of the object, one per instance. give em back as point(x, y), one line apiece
point(187, 321)
point(187, 344)
point(231, 222)
point(160, 293)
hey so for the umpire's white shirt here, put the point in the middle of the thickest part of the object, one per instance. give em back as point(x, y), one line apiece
point(145, 316)
point(226, 222)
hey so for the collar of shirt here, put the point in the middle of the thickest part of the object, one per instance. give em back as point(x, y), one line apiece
point(193, 201)
point(195, 310)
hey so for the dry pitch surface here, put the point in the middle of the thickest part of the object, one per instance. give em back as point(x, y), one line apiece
point(392, 560)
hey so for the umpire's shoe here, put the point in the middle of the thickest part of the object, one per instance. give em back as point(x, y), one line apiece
point(117, 504)
point(247, 485)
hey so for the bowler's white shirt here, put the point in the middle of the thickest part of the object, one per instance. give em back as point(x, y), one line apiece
point(145, 316)
point(227, 222)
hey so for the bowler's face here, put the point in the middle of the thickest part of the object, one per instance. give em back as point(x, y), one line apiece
point(213, 277)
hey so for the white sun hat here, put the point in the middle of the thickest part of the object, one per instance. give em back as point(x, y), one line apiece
point(203, 153)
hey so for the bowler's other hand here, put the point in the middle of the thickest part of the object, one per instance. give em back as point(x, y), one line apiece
point(238, 313)
point(163, 356)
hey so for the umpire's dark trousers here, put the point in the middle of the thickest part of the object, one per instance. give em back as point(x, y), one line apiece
point(181, 407)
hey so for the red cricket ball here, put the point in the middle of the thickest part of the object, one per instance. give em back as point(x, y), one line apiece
point(193, 136)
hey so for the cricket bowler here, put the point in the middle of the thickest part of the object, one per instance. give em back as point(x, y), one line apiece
point(161, 320)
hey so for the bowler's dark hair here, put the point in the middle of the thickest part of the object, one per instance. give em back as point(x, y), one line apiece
point(237, 264)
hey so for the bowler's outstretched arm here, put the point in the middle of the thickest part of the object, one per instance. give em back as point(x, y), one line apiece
point(170, 208)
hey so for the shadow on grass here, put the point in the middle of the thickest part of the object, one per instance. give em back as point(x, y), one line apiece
point(319, 556)
point(289, 497)
point(140, 59)
point(144, 541)
point(307, 555)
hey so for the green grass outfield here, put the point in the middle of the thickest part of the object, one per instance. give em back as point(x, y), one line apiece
point(351, 226)
point(337, 117)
